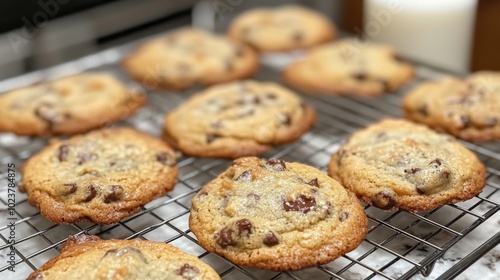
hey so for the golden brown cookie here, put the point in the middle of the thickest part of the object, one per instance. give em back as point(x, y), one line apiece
point(103, 176)
point(89, 257)
point(238, 119)
point(69, 105)
point(188, 57)
point(349, 67)
point(396, 164)
point(467, 108)
point(276, 215)
point(282, 29)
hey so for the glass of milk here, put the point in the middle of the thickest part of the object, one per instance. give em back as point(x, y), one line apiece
point(438, 33)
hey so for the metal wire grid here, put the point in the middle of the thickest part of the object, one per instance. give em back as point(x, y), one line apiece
point(398, 246)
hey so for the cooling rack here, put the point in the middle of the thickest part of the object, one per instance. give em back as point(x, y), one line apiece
point(399, 245)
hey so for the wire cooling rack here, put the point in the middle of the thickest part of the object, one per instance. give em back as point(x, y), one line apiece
point(399, 245)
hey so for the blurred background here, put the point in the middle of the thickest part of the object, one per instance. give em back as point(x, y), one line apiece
point(36, 34)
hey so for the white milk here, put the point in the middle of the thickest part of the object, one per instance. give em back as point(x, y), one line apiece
point(434, 32)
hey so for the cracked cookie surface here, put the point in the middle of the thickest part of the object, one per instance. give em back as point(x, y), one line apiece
point(68, 105)
point(90, 257)
point(188, 57)
point(102, 176)
point(349, 67)
point(238, 119)
point(467, 108)
point(276, 215)
point(282, 29)
point(396, 164)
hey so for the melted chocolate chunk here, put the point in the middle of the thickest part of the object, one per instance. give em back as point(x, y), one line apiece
point(343, 216)
point(285, 119)
point(91, 193)
point(277, 164)
point(63, 153)
point(115, 193)
point(245, 176)
point(412, 170)
point(489, 122)
point(225, 237)
point(165, 159)
point(125, 250)
point(314, 183)
point(360, 76)
point(47, 114)
point(253, 196)
point(437, 162)
point(211, 138)
point(69, 188)
point(271, 96)
point(423, 110)
point(445, 175)
point(244, 226)
point(303, 204)
point(420, 189)
point(270, 239)
point(385, 84)
point(383, 200)
point(187, 271)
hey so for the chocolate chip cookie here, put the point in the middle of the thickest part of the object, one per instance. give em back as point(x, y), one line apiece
point(89, 257)
point(102, 176)
point(238, 119)
point(188, 57)
point(349, 67)
point(67, 106)
point(468, 108)
point(396, 164)
point(282, 29)
point(276, 215)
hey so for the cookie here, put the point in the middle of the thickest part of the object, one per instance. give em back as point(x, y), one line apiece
point(69, 105)
point(90, 257)
point(237, 119)
point(468, 108)
point(188, 57)
point(282, 29)
point(349, 67)
point(276, 215)
point(102, 177)
point(396, 164)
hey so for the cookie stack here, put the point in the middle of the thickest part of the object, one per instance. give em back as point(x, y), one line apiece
point(267, 214)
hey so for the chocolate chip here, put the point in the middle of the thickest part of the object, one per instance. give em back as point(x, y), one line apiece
point(225, 237)
point(69, 188)
point(465, 120)
point(285, 119)
point(63, 153)
point(314, 183)
point(245, 176)
point(187, 271)
point(47, 114)
point(489, 122)
point(125, 250)
point(238, 51)
point(383, 200)
point(360, 76)
point(385, 84)
point(297, 37)
point(343, 216)
point(445, 174)
point(165, 159)
point(114, 193)
point(271, 96)
point(270, 239)
point(423, 110)
point(211, 138)
point(303, 204)
point(437, 162)
point(91, 193)
point(382, 136)
point(277, 164)
point(244, 225)
point(246, 113)
point(412, 170)
point(420, 189)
